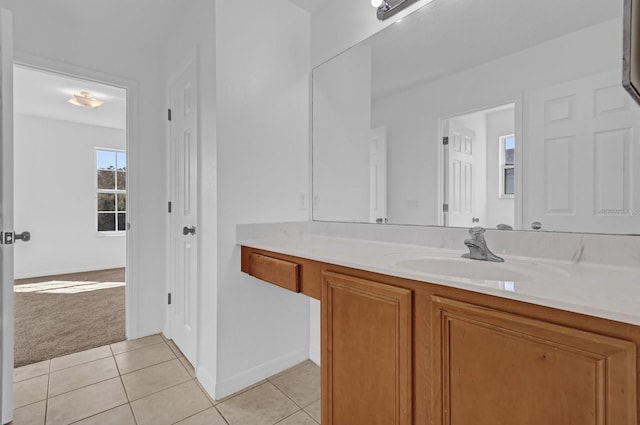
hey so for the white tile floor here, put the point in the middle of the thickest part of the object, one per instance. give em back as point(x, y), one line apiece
point(149, 382)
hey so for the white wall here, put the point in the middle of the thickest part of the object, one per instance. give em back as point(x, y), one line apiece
point(342, 134)
point(55, 197)
point(253, 164)
point(499, 210)
point(262, 53)
point(109, 40)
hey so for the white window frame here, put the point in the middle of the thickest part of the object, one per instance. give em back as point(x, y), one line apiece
point(503, 167)
point(116, 192)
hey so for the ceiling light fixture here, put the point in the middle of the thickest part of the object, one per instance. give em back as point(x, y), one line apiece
point(388, 8)
point(85, 99)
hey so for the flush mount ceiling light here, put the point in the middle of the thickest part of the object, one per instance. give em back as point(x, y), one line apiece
point(85, 99)
point(388, 8)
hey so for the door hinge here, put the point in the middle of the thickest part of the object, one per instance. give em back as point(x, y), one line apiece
point(6, 238)
point(445, 208)
point(445, 140)
point(169, 114)
point(169, 298)
point(169, 207)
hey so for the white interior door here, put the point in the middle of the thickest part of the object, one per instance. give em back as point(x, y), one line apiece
point(378, 176)
point(581, 156)
point(460, 165)
point(6, 214)
point(184, 237)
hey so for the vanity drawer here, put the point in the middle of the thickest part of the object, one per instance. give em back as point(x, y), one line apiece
point(274, 270)
point(292, 273)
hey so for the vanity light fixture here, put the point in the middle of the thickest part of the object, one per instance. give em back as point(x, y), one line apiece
point(85, 99)
point(388, 8)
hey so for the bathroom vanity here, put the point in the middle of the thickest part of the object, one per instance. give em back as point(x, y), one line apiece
point(514, 120)
point(402, 345)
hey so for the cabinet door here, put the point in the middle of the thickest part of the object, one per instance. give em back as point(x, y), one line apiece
point(366, 352)
point(493, 368)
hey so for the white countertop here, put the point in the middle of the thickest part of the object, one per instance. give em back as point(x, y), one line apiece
point(611, 292)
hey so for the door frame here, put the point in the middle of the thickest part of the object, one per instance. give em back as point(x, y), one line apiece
point(192, 57)
point(443, 129)
point(6, 219)
point(133, 159)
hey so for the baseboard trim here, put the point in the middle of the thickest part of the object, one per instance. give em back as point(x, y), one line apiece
point(314, 353)
point(258, 373)
point(36, 274)
point(207, 381)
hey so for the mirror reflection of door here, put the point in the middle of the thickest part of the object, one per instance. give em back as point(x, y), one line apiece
point(462, 210)
point(581, 155)
point(378, 176)
point(480, 168)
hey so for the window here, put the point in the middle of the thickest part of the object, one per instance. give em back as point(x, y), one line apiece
point(507, 164)
point(111, 168)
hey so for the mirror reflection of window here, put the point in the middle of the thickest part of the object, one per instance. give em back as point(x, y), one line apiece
point(507, 166)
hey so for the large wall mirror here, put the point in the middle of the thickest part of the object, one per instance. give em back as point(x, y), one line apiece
point(498, 113)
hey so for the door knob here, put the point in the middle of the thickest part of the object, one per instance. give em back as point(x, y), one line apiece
point(189, 230)
point(8, 238)
point(24, 236)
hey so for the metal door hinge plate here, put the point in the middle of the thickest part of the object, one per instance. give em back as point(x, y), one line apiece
point(6, 238)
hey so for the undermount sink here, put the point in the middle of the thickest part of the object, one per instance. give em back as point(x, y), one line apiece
point(509, 271)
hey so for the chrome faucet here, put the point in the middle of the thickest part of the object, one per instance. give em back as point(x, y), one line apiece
point(478, 249)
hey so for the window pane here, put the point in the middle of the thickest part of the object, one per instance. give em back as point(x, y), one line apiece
point(122, 180)
point(106, 202)
point(121, 160)
point(509, 181)
point(510, 142)
point(122, 221)
point(106, 179)
point(106, 222)
point(122, 202)
point(508, 156)
point(106, 160)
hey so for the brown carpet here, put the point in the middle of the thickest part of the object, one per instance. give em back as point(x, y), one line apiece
point(49, 325)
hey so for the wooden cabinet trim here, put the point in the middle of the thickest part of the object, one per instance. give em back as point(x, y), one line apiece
point(612, 360)
point(309, 271)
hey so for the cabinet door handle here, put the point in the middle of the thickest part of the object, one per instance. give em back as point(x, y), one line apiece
point(189, 230)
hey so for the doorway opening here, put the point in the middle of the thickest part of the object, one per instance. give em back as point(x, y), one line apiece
point(70, 179)
point(479, 168)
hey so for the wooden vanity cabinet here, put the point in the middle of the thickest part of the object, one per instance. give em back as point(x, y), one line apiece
point(494, 367)
point(398, 351)
point(367, 352)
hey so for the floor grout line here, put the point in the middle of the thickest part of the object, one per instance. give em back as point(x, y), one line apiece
point(212, 403)
point(46, 400)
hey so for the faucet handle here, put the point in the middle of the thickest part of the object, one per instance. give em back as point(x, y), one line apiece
point(476, 230)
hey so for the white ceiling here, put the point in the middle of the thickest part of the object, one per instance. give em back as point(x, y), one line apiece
point(448, 36)
point(311, 5)
point(45, 94)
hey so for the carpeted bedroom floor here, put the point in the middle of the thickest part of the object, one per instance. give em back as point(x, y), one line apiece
point(63, 314)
